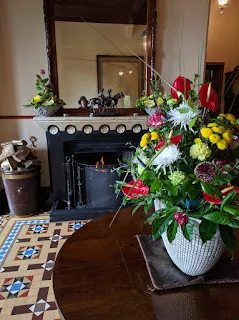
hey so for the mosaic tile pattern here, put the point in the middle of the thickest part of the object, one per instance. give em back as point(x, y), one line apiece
point(28, 250)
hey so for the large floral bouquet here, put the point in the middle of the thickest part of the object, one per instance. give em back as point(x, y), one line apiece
point(187, 160)
point(44, 96)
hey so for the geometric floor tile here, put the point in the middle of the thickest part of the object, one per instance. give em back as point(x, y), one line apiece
point(55, 238)
point(15, 287)
point(38, 228)
point(73, 226)
point(49, 265)
point(39, 307)
point(26, 265)
point(28, 252)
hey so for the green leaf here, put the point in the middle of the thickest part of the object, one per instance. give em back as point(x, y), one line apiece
point(188, 230)
point(210, 189)
point(147, 206)
point(137, 207)
point(155, 186)
point(222, 179)
point(228, 238)
point(147, 175)
point(172, 230)
point(228, 199)
point(218, 217)
point(153, 217)
point(160, 225)
point(223, 218)
point(192, 193)
point(170, 187)
point(196, 215)
point(192, 122)
point(183, 110)
point(233, 210)
point(207, 229)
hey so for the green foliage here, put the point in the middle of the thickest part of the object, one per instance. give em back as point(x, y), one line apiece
point(228, 238)
point(172, 230)
point(188, 230)
point(207, 229)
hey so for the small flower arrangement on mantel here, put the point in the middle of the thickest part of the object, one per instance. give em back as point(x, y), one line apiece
point(187, 167)
point(44, 100)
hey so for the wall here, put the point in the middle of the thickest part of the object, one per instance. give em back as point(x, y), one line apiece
point(181, 37)
point(22, 55)
point(78, 45)
point(223, 35)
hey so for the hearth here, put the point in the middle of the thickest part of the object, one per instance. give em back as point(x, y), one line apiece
point(81, 162)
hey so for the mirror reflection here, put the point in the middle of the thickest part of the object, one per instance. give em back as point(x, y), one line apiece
point(92, 51)
point(222, 58)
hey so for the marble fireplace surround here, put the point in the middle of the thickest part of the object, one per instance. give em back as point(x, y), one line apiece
point(75, 137)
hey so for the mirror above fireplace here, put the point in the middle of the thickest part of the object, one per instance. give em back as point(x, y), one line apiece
point(80, 32)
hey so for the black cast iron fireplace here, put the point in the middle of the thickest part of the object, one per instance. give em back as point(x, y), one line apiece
point(81, 177)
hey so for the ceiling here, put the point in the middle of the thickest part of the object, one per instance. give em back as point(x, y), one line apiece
point(102, 11)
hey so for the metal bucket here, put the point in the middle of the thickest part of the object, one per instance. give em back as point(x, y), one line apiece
point(22, 190)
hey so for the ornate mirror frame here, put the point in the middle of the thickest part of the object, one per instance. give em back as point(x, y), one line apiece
point(49, 18)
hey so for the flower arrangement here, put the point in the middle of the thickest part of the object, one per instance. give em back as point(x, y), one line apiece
point(44, 96)
point(187, 160)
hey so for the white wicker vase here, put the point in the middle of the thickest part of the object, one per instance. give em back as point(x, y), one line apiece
point(193, 257)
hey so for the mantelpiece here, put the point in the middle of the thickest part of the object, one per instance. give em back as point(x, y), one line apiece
point(102, 124)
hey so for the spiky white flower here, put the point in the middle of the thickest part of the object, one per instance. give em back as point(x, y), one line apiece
point(166, 158)
point(182, 115)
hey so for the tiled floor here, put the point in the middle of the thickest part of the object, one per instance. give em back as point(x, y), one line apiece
point(28, 249)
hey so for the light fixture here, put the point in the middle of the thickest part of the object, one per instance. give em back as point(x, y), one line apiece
point(222, 5)
point(130, 71)
point(121, 73)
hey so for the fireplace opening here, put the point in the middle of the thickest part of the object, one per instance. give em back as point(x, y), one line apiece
point(90, 180)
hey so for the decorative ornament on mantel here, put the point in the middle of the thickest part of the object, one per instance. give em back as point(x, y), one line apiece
point(222, 4)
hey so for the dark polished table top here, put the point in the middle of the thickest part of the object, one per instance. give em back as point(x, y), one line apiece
point(100, 274)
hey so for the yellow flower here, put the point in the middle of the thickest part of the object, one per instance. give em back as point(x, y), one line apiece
point(154, 135)
point(150, 103)
point(231, 118)
point(206, 132)
point(227, 136)
point(159, 101)
point(218, 129)
point(37, 98)
point(143, 143)
point(146, 136)
point(212, 124)
point(222, 145)
point(200, 151)
point(197, 140)
point(222, 115)
point(214, 138)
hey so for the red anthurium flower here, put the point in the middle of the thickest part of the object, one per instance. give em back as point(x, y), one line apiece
point(211, 199)
point(160, 144)
point(228, 189)
point(137, 191)
point(176, 139)
point(183, 85)
point(208, 97)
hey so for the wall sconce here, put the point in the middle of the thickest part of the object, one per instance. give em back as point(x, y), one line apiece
point(222, 5)
point(121, 73)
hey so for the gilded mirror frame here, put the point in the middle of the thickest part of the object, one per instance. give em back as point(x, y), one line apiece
point(48, 6)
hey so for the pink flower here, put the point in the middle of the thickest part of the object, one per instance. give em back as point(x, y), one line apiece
point(181, 218)
point(156, 120)
point(139, 190)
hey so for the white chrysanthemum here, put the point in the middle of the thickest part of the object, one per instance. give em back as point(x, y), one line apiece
point(184, 117)
point(166, 158)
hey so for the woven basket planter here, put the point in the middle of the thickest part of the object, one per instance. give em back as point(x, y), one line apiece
point(47, 111)
point(193, 257)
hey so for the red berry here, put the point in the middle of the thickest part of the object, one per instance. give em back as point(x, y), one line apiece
point(181, 218)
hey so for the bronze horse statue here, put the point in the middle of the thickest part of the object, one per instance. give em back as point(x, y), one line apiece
point(105, 103)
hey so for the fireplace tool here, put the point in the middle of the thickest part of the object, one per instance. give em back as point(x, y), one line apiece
point(79, 183)
point(68, 181)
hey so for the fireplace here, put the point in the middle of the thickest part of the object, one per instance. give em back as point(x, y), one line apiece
point(81, 164)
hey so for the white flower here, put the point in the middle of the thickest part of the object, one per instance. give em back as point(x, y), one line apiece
point(166, 158)
point(150, 103)
point(182, 115)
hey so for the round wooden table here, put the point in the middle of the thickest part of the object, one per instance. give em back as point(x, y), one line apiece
point(100, 274)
